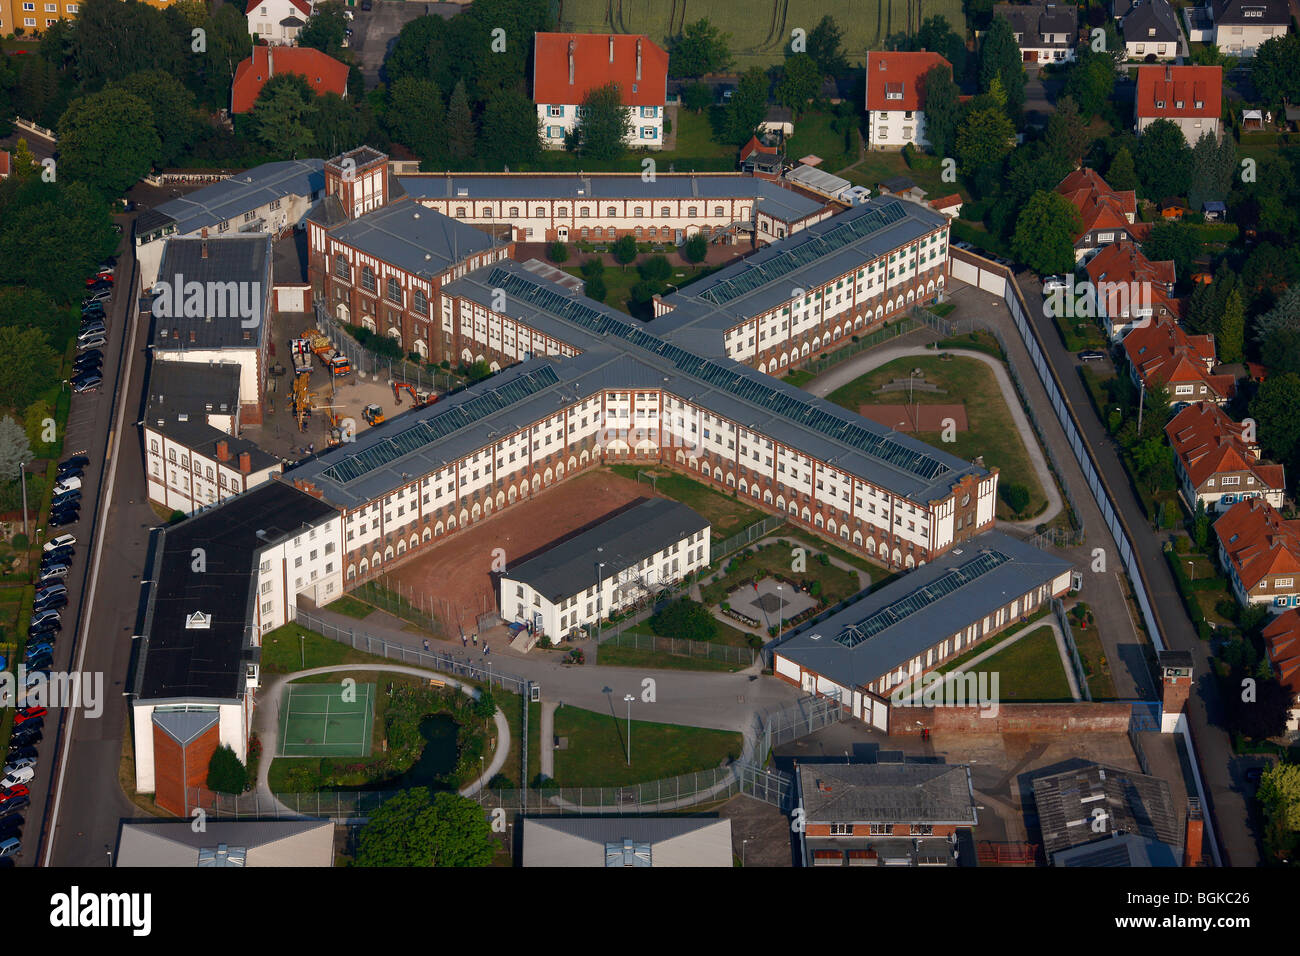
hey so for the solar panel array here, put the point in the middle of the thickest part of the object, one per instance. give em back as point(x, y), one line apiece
point(760, 274)
point(922, 597)
point(421, 434)
point(736, 380)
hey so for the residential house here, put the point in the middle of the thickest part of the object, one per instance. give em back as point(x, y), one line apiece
point(568, 66)
point(884, 814)
point(895, 99)
point(1130, 288)
point(1045, 30)
point(756, 159)
point(1162, 354)
point(949, 205)
point(1191, 97)
point(1282, 642)
point(323, 74)
point(1240, 26)
point(1217, 460)
point(1105, 214)
point(278, 21)
point(1261, 551)
point(1150, 30)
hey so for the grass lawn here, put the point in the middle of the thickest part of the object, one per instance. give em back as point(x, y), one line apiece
point(283, 652)
point(351, 607)
point(727, 635)
point(973, 341)
point(1095, 665)
point(1080, 333)
point(813, 134)
point(799, 377)
point(879, 576)
point(836, 583)
point(614, 656)
point(725, 513)
point(992, 431)
point(596, 755)
point(619, 280)
point(878, 166)
point(1030, 669)
point(696, 150)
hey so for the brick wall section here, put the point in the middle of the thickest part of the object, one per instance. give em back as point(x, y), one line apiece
point(174, 769)
point(1013, 718)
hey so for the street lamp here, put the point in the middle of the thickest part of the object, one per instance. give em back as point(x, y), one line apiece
point(781, 618)
point(629, 698)
point(742, 851)
point(600, 567)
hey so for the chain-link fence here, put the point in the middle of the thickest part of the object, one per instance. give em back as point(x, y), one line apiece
point(381, 367)
point(747, 536)
point(410, 604)
point(681, 647)
point(1080, 674)
point(821, 364)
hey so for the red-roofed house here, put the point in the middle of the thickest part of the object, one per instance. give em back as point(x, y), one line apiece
point(1163, 354)
point(1130, 288)
point(277, 21)
point(896, 98)
point(568, 66)
point(1191, 97)
point(1261, 551)
point(323, 74)
point(1106, 214)
point(950, 205)
point(766, 162)
point(1216, 464)
point(1282, 640)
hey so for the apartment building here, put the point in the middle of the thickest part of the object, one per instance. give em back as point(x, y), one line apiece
point(1217, 463)
point(1190, 97)
point(895, 98)
point(1261, 552)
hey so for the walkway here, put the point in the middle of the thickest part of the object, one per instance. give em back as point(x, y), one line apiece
point(864, 362)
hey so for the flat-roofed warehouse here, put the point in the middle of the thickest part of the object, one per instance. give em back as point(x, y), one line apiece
point(585, 578)
point(916, 623)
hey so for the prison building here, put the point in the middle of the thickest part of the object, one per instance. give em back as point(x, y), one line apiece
point(1106, 816)
point(627, 558)
point(893, 636)
point(217, 582)
point(814, 292)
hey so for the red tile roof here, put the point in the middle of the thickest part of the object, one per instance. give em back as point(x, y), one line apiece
point(1172, 85)
point(1100, 207)
point(323, 74)
point(1163, 354)
point(946, 202)
point(898, 75)
point(1282, 637)
point(1123, 262)
point(754, 146)
point(1258, 541)
point(1208, 442)
point(304, 6)
point(593, 69)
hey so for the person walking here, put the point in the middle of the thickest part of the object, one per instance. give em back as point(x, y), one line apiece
point(426, 646)
point(476, 638)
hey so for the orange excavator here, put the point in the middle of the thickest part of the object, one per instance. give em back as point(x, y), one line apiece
point(418, 398)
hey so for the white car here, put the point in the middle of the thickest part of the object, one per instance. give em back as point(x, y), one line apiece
point(1055, 283)
point(20, 764)
point(20, 775)
point(62, 541)
point(67, 484)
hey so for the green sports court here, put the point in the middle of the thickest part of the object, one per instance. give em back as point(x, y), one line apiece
point(316, 720)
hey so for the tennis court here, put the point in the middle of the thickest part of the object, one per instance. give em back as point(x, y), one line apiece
point(316, 720)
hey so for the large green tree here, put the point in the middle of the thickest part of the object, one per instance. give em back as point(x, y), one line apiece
point(415, 115)
point(1278, 333)
point(1090, 80)
point(512, 131)
point(175, 119)
point(701, 49)
point(1213, 165)
point(984, 139)
point(824, 46)
point(941, 102)
point(111, 40)
point(1274, 408)
point(1164, 160)
point(748, 106)
point(70, 225)
point(1275, 70)
point(1231, 336)
point(325, 29)
point(1000, 57)
point(1122, 173)
point(1045, 230)
point(414, 828)
point(800, 81)
point(1173, 241)
point(605, 126)
point(28, 366)
point(1067, 132)
point(282, 116)
point(107, 141)
point(461, 134)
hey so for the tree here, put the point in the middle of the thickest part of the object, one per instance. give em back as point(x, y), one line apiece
point(940, 100)
point(558, 252)
point(226, 773)
point(1274, 409)
point(1275, 70)
point(1279, 799)
point(460, 125)
point(335, 125)
point(1173, 240)
point(824, 46)
point(414, 828)
point(1067, 133)
point(697, 97)
point(1152, 462)
point(1000, 57)
point(1090, 80)
point(1232, 329)
point(512, 130)
point(415, 114)
point(1122, 174)
point(1045, 231)
point(282, 113)
point(28, 366)
point(656, 268)
point(325, 29)
point(111, 40)
point(175, 120)
point(14, 448)
point(701, 49)
point(1212, 168)
point(107, 141)
point(937, 34)
point(1163, 160)
point(686, 619)
point(605, 126)
point(1278, 333)
point(984, 139)
point(71, 226)
point(595, 288)
point(696, 249)
point(748, 106)
point(1015, 496)
point(624, 249)
point(800, 82)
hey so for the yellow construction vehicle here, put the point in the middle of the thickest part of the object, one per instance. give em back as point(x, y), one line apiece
point(373, 414)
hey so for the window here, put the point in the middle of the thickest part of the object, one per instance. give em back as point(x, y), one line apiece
point(841, 829)
point(555, 111)
point(394, 291)
point(368, 279)
point(421, 302)
point(648, 132)
point(649, 112)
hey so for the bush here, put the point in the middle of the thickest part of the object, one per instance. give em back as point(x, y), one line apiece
point(20, 542)
point(595, 289)
point(655, 269)
point(176, 516)
point(1014, 496)
point(696, 249)
point(685, 618)
point(558, 252)
point(592, 268)
point(226, 774)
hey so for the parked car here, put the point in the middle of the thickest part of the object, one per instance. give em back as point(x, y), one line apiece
point(89, 383)
point(47, 588)
point(15, 803)
point(53, 572)
point(61, 519)
point(1091, 355)
point(23, 751)
point(92, 342)
point(55, 559)
point(100, 279)
point(963, 244)
point(40, 663)
point(61, 541)
point(52, 603)
point(76, 461)
point(69, 499)
point(1055, 284)
point(35, 650)
point(20, 763)
point(28, 735)
point(90, 326)
point(20, 775)
point(10, 847)
point(67, 484)
point(33, 678)
point(92, 358)
point(39, 619)
point(11, 826)
point(1254, 774)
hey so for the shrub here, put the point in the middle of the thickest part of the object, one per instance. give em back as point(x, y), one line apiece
point(176, 516)
point(595, 289)
point(685, 618)
point(226, 774)
point(1015, 496)
point(19, 541)
point(696, 249)
point(558, 252)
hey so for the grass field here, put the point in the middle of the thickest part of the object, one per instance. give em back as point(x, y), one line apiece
point(726, 514)
point(596, 754)
point(836, 583)
point(760, 29)
point(613, 656)
point(992, 431)
point(1030, 669)
point(876, 167)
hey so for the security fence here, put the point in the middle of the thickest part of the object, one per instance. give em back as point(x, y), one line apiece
point(681, 647)
point(1068, 635)
point(747, 536)
point(414, 605)
point(382, 367)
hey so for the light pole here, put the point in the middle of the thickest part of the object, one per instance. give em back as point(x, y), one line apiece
point(22, 479)
point(302, 646)
point(742, 852)
point(781, 617)
point(628, 698)
point(600, 568)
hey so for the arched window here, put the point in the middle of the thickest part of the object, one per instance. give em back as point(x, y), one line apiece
point(514, 212)
point(367, 279)
point(421, 302)
point(394, 291)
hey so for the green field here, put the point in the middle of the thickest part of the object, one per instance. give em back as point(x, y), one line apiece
point(726, 514)
point(992, 432)
point(760, 29)
point(1030, 669)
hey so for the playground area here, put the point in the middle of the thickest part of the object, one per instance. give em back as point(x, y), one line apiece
point(326, 720)
point(458, 573)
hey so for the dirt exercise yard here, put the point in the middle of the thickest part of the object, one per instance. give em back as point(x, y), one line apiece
point(458, 573)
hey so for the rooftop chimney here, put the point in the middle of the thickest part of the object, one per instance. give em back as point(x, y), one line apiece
point(204, 247)
point(572, 46)
point(204, 233)
point(270, 62)
point(1169, 73)
point(245, 462)
point(611, 48)
point(223, 450)
point(638, 60)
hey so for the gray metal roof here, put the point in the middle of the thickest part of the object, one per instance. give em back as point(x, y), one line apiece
point(806, 260)
point(817, 179)
point(184, 726)
point(1033, 21)
point(239, 262)
point(873, 635)
point(887, 793)
point(192, 389)
point(781, 203)
point(653, 841)
point(1094, 802)
point(162, 843)
point(1128, 849)
point(625, 540)
point(230, 199)
point(413, 238)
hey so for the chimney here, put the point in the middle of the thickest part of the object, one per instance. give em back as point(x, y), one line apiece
point(223, 450)
point(192, 335)
point(1193, 853)
point(611, 48)
point(572, 46)
point(204, 252)
point(204, 234)
point(245, 462)
point(638, 60)
point(1169, 73)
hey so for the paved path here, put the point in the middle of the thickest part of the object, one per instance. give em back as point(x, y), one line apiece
point(864, 362)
